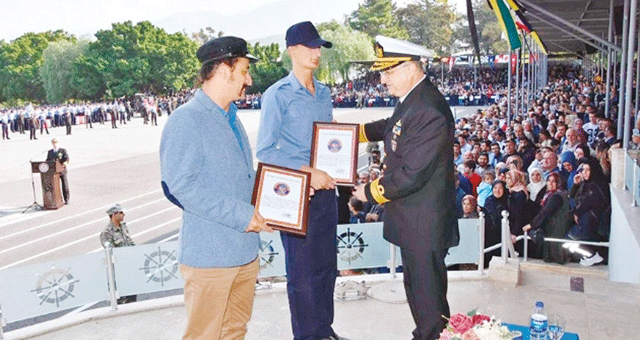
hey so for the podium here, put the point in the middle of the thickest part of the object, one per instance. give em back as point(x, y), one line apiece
point(50, 179)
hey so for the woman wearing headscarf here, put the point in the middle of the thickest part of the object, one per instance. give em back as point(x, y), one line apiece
point(554, 218)
point(536, 184)
point(517, 205)
point(493, 208)
point(537, 188)
point(469, 207)
point(582, 151)
point(593, 202)
point(569, 165)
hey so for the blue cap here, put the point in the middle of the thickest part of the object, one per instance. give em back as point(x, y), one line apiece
point(539, 304)
point(306, 34)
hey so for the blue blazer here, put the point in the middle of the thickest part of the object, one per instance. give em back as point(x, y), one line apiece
point(207, 173)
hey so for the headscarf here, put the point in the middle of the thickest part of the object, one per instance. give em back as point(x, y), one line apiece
point(585, 149)
point(535, 188)
point(570, 157)
point(474, 211)
point(495, 205)
point(549, 192)
point(519, 180)
point(597, 175)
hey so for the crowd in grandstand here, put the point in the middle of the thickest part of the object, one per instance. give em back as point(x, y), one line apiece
point(548, 167)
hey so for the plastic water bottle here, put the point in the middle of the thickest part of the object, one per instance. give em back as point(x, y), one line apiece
point(539, 322)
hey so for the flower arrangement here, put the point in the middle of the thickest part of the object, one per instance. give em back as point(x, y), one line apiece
point(475, 326)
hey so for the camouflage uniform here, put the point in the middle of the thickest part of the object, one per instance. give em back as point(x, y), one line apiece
point(118, 237)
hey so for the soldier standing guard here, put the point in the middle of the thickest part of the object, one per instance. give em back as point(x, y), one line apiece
point(117, 235)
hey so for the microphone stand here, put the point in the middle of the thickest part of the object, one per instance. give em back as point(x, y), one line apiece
point(35, 203)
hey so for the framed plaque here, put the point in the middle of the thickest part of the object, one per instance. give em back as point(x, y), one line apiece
point(335, 151)
point(281, 196)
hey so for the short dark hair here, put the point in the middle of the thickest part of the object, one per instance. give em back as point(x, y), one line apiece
point(207, 69)
point(470, 164)
point(356, 204)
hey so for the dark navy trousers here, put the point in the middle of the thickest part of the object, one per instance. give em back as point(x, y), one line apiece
point(311, 269)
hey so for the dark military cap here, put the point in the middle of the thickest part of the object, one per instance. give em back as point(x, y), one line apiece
point(306, 34)
point(223, 48)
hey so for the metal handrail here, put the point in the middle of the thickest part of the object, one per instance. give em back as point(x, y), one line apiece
point(111, 275)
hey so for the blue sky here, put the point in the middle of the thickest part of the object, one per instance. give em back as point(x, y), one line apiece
point(83, 17)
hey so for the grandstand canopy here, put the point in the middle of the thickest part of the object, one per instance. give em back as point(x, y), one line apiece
point(567, 25)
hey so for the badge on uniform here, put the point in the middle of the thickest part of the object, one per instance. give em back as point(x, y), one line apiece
point(397, 131)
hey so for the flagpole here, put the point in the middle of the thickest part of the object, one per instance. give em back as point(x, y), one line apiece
point(509, 91)
point(442, 74)
point(517, 113)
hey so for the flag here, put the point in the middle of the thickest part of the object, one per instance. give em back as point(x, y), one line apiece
point(452, 60)
point(492, 60)
point(524, 25)
point(506, 22)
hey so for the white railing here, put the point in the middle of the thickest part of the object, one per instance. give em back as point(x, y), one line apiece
point(59, 285)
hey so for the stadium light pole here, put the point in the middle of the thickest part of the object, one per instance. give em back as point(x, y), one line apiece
point(629, 75)
point(609, 60)
point(623, 68)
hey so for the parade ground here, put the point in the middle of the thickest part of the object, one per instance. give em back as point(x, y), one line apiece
point(121, 165)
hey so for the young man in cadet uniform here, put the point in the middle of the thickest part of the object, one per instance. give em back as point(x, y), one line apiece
point(289, 108)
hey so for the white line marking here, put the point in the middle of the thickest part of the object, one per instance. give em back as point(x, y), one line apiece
point(56, 221)
point(168, 238)
point(78, 227)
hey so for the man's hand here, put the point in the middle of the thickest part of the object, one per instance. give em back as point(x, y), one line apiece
point(526, 228)
point(257, 224)
point(577, 179)
point(319, 179)
point(371, 218)
point(359, 193)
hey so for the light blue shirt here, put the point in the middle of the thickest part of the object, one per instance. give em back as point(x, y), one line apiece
point(286, 122)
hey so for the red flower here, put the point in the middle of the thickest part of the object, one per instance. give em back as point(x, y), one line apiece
point(460, 323)
point(479, 318)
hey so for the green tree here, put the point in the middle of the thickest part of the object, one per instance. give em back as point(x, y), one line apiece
point(489, 31)
point(348, 45)
point(20, 62)
point(205, 35)
point(59, 59)
point(268, 70)
point(375, 17)
point(428, 23)
point(141, 58)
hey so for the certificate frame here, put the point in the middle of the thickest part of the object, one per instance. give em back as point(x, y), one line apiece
point(345, 133)
point(287, 181)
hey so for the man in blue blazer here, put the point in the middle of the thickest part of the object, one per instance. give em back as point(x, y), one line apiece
point(207, 170)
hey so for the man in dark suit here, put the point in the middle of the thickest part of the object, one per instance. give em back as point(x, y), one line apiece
point(418, 184)
point(60, 155)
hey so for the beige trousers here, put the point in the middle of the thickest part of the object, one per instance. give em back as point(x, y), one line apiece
point(219, 301)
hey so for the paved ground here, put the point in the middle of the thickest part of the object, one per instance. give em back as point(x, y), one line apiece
point(603, 310)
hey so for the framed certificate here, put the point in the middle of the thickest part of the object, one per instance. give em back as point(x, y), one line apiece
point(335, 151)
point(281, 196)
